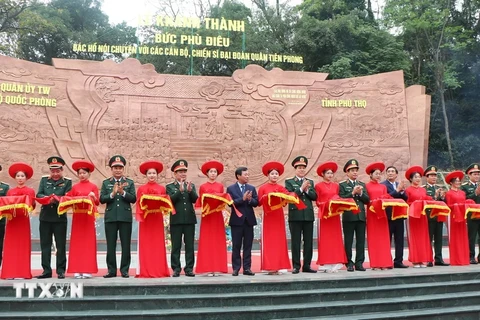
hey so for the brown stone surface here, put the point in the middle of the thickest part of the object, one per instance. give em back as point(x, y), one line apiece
point(105, 108)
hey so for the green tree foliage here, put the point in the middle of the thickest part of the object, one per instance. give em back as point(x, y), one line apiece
point(340, 38)
point(436, 41)
point(49, 30)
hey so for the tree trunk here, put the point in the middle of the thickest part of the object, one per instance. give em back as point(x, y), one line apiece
point(441, 91)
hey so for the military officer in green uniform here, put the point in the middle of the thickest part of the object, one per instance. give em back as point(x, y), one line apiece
point(354, 223)
point(118, 193)
point(51, 223)
point(472, 190)
point(3, 192)
point(435, 227)
point(300, 222)
point(182, 223)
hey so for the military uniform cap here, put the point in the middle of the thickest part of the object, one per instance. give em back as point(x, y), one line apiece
point(430, 170)
point(351, 164)
point(300, 161)
point(179, 165)
point(474, 167)
point(55, 162)
point(117, 161)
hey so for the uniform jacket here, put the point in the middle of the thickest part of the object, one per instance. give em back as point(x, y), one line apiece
point(431, 192)
point(309, 195)
point(469, 189)
point(183, 203)
point(48, 187)
point(346, 188)
point(245, 207)
point(3, 192)
point(119, 208)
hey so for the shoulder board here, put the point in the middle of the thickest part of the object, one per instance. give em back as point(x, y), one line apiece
point(170, 183)
point(465, 183)
point(423, 186)
point(67, 178)
point(128, 179)
point(46, 176)
point(343, 181)
point(4, 183)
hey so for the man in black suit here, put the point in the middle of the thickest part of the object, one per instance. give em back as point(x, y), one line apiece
point(396, 226)
point(244, 198)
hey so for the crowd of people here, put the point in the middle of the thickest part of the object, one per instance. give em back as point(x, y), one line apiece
point(375, 212)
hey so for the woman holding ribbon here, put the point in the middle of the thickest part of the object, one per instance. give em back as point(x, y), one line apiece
point(152, 204)
point(212, 243)
point(378, 234)
point(420, 249)
point(16, 207)
point(83, 199)
point(458, 236)
point(331, 252)
point(273, 197)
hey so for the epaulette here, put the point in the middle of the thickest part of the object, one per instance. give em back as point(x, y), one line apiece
point(465, 183)
point(46, 176)
point(423, 186)
point(4, 183)
point(343, 181)
point(67, 178)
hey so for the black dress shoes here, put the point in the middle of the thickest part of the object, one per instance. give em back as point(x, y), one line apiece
point(235, 273)
point(110, 275)
point(441, 263)
point(44, 276)
point(350, 269)
point(360, 268)
point(125, 275)
point(295, 271)
point(400, 266)
point(309, 270)
point(176, 274)
point(189, 274)
point(61, 275)
point(248, 272)
point(430, 264)
point(473, 261)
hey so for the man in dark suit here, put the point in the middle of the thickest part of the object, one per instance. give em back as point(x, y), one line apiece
point(51, 223)
point(300, 222)
point(396, 225)
point(118, 193)
point(354, 223)
point(244, 198)
point(182, 223)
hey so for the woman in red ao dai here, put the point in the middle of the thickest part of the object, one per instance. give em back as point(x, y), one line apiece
point(331, 252)
point(152, 253)
point(17, 244)
point(212, 244)
point(274, 248)
point(82, 258)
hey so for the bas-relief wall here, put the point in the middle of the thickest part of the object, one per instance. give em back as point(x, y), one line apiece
point(105, 108)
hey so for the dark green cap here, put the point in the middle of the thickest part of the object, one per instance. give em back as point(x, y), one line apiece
point(55, 162)
point(117, 161)
point(179, 165)
point(351, 164)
